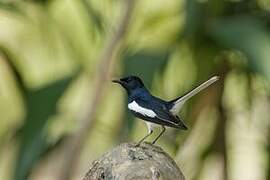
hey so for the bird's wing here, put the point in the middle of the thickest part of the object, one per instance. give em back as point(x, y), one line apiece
point(178, 102)
point(162, 114)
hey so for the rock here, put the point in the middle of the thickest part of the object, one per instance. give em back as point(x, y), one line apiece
point(128, 162)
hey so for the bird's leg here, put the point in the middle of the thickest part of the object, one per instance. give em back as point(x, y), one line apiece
point(148, 134)
point(163, 130)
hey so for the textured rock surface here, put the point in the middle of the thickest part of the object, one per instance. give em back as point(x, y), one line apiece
point(127, 162)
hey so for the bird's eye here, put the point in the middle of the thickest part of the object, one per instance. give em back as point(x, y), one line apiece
point(128, 79)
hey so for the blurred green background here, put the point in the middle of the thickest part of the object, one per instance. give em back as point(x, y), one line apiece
point(49, 57)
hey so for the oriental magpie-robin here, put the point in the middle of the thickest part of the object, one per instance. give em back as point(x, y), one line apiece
point(153, 110)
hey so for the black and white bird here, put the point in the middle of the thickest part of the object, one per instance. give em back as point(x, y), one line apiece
point(153, 110)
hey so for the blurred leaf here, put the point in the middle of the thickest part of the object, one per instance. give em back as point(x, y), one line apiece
point(53, 146)
point(144, 65)
point(11, 7)
point(93, 15)
point(41, 104)
point(245, 34)
point(241, 7)
point(9, 56)
point(139, 64)
point(194, 17)
point(198, 13)
point(45, 2)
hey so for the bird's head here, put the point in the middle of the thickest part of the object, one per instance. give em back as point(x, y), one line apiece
point(130, 83)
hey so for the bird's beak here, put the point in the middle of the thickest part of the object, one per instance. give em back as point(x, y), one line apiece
point(116, 81)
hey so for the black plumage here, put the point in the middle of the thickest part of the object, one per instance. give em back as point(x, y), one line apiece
point(153, 109)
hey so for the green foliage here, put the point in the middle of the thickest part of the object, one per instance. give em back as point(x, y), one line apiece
point(139, 63)
point(248, 35)
point(40, 106)
point(12, 7)
point(171, 44)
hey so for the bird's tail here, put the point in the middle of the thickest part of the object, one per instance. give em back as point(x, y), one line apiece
point(178, 102)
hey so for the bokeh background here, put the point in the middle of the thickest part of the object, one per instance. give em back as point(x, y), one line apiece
point(59, 111)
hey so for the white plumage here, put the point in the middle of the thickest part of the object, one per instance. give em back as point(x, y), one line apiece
point(143, 111)
point(151, 126)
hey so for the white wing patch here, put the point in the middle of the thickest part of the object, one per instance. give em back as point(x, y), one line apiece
point(144, 111)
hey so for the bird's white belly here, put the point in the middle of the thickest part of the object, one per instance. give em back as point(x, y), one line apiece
point(143, 111)
point(151, 126)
